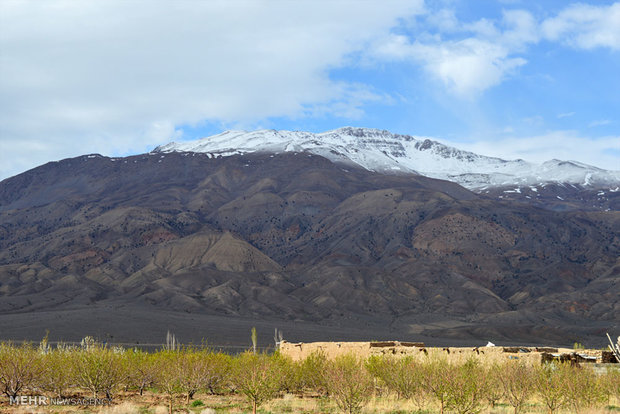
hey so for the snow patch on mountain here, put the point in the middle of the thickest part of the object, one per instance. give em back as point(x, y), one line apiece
point(383, 151)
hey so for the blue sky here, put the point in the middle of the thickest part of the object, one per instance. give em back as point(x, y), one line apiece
point(515, 79)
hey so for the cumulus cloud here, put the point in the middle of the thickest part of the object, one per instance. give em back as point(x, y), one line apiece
point(585, 26)
point(471, 57)
point(477, 56)
point(120, 76)
point(469, 66)
point(521, 29)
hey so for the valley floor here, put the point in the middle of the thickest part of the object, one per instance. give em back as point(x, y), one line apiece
point(144, 326)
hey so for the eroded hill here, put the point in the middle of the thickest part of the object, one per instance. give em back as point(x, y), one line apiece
point(296, 237)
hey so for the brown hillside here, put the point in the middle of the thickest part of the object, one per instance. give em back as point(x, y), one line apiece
point(293, 238)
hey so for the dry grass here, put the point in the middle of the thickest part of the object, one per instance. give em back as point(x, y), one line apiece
point(125, 407)
point(288, 403)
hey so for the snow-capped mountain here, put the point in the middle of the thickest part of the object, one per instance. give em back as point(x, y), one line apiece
point(382, 151)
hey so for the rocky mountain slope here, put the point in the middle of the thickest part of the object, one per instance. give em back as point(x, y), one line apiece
point(295, 238)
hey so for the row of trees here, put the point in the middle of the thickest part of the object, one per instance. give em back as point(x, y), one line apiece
point(347, 380)
point(468, 387)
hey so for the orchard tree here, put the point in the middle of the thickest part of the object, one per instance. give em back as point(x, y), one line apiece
point(168, 374)
point(465, 390)
point(290, 373)
point(216, 371)
point(518, 382)
point(56, 375)
point(550, 380)
point(141, 369)
point(493, 389)
point(584, 389)
point(349, 383)
point(99, 369)
point(201, 369)
point(436, 374)
point(190, 372)
point(402, 376)
point(312, 372)
point(257, 377)
point(20, 368)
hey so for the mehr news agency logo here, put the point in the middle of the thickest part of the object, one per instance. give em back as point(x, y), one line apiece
point(41, 400)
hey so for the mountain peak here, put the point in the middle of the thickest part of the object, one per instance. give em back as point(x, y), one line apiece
point(382, 151)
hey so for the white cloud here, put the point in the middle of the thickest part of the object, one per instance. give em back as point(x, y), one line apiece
point(119, 76)
point(535, 120)
point(481, 56)
point(475, 56)
point(483, 28)
point(469, 66)
point(466, 67)
point(585, 26)
point(522, 29)
point(445, 20)
point(564, 145)
point(566, 115)
point(599, 122)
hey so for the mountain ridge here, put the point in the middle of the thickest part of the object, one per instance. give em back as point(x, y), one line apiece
point(382, 151)
point(295, 237)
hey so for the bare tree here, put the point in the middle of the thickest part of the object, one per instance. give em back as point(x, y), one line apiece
point(19, 368)
point(56, 372)
point(254, 339)
point(278, 337)
point(99, 369)
point(550, 380)
point(142, 370)
point(256, 377)
point(615, 348)
point(171, 342)
point(168, 377)
point(493, 390)
point(349, 383)
point(518, 383)
point(436, 380)
point(465, 391)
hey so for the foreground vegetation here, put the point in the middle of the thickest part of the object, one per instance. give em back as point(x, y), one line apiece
point(196, 379)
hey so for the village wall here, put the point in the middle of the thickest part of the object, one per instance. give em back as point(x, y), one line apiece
point(486, 355)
